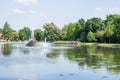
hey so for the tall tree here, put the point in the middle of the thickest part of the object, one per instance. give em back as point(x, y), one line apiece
point(52, 32)
point(113, 24)
point(68, 31)
point(117, 28)
point(64, 32)
point(7, 31)
point(79, 28)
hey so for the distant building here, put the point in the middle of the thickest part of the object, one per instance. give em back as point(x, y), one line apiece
point(1, 36)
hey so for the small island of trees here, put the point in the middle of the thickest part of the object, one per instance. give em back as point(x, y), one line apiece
point(93, 30)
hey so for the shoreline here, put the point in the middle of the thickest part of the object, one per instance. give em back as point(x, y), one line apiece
point(74, 43)
point(78, 43)
point(10, 42)
point(102, 44)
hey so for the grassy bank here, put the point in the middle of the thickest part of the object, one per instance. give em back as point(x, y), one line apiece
point(12, 42)
point(88, 44)
point(102, 44)
point(66, 42)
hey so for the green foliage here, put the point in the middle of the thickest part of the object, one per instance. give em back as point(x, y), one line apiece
point(79, 29)
point(68, 31)
point(7, 31)
point(91, 37)
point(94, 29)
point(94, 24)
point(108, 35)
point(100, 36)
point(14, 36)
point(113, 22)
point(64, 32)
point(52, 32)
point(1, 30)
point(24, 34)
point(39, 34)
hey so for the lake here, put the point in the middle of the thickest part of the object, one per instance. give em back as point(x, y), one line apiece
point(58, 62)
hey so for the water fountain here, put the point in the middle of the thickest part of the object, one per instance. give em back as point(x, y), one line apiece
point(32, 41)
point(35, 43)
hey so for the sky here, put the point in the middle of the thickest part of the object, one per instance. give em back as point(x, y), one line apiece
point(35, 13)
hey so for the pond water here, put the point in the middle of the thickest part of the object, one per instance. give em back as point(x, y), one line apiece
point(18, 62)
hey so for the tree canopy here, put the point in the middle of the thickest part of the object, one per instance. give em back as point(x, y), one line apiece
point(52, 32)
point(7, 31)
point(24, 34)
point(39, 35)
point(92, 30)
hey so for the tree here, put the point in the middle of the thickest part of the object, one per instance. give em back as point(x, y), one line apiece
point(113, 24)
point(91, 37)
point(108, 33)
point(7, 31)
point(27, 32)
point(14, 36)
point(52, 32)
point(117, 28)
point(39, 34)
point(79, 28)
point(64, 32)
point(1, 30)
point(100, 36)
point(109, 29)
point(94, 24)
point(68, 31)
point(24, 34)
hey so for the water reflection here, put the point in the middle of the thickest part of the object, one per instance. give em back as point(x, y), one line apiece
point(55, 54)
point(59, 60)
point(6, 49)
point(95, 57)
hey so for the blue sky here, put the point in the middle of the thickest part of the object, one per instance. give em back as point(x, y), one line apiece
point(35, 13)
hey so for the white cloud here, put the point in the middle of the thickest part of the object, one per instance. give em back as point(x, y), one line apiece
point(32, 12)
point(19, 11)
point(27, 2)
point(115, 9)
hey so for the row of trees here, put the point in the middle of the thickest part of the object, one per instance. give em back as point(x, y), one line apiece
point(92, 30)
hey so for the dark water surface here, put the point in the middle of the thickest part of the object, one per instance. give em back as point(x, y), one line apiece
point(18, 62)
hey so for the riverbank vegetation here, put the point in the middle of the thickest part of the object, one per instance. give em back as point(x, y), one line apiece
point(92, 30)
